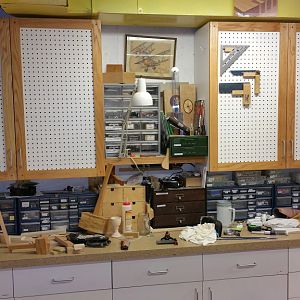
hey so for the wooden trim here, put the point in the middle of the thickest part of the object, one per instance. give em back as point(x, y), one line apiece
point(8, 109)
point(249, 26)
point(213, 114)
point(291, 96)
point(282, 94)
point(23, 173)
point(213, 96)
point(54, 23)
point(98, 98)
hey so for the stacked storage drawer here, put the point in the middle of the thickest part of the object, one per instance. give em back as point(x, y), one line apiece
point(29, 214)
point(178, 207)
point(143, 135)
point(8, 210)
point(53, 209)
point(246, 200)
point(287, 196)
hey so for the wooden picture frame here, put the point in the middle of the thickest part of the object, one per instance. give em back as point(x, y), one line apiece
point(150, 56)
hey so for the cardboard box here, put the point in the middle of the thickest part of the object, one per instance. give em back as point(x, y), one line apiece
point(194, 181)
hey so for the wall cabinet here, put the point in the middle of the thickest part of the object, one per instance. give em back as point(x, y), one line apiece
point(57, 98)
point(244, 137)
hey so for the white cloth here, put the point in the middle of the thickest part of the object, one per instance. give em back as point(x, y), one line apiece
point(282, 223)
point(202, 234)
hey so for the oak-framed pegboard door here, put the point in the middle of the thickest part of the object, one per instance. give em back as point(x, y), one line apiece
point(293, 99)
point(248, 61)
point(57, 72)
point(7, 133)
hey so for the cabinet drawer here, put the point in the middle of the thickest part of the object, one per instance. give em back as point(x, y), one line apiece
point(245, 264)
point(179, 208)
point(177, 220)
point(294, 260)
point(178, 195)
point(6, 284)
point(294, 288)
point(164, 292)
point(91, 295)
point(61, 279)
point(157, 271)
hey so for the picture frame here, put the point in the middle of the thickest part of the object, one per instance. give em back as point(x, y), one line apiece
point(150, 56)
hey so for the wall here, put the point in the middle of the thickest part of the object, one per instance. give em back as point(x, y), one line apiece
point(113, 44)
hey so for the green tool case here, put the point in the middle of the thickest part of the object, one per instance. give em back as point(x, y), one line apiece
point(189, 145)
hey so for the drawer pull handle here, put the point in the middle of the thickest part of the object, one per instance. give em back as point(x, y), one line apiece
point(246, 266)
point(180, 208)
point(197, 294)
point(180, 196)
point(55, 281)
point(210, 294)
point(4, 295)
point(164, 272)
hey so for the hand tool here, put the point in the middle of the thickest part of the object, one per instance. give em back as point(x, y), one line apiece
point(237, 89)
point(252, 74)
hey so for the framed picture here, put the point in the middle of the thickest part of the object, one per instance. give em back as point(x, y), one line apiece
point(149, 56)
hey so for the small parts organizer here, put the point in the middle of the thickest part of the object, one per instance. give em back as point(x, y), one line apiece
point(143, 135)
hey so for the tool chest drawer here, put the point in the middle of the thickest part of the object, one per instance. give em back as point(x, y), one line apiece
point(179, 208)
point(176, 220)
point(178, 195)
point(245, 264)
point(157, 271)
point(61, 279)
point(6, 284)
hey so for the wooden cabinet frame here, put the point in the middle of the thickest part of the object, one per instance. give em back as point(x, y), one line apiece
point(215, 27)
point(291, 97)
point(8, 109)
point(92, 25)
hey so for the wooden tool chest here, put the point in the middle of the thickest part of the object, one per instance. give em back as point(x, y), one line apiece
point(178, 207)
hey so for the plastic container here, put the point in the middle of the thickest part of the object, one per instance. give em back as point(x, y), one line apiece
point(126, 216)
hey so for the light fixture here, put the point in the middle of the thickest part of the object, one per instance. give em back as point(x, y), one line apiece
point(141, 97)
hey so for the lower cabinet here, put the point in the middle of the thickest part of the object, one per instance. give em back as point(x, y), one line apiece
point(265, 287)
point(294, 274)
point(179, 291)
point(91, 295)
point(6, 284)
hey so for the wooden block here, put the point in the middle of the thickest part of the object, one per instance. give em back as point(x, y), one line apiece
point(4, 231)
point(132, 234)
point(93, 223)
point(63, 242)
point(246, 94)
point(187, 103)
point(167, 104)
point(257, 84)
point(42, 245)
point(119, 77)
point(114, 68)
point(21, 246)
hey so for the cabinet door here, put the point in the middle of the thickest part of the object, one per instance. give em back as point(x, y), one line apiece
point(247, 137)
point(265, 287)
point(7, 132)
point(58, 98)
point(293, 99)
point(186, 291)
point(91, 295)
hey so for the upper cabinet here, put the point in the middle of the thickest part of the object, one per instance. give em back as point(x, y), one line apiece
point(58, 99)
point(7, 133)
point(293, 99)
point(246, 88)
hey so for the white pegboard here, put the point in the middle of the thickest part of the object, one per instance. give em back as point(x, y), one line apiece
point(2, 128)
point(250, 134)
point(297, 101)
point(58, 98)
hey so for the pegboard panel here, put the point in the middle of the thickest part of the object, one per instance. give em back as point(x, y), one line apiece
point(250, 134)
point(2, 128)
point(297, 101)
point(58, 98)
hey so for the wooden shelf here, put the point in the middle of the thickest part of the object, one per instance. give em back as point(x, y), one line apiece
point(155, 160)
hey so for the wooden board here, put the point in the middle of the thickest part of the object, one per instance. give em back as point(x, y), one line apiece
point(187, 95)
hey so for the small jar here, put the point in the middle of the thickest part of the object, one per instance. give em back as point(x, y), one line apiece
point(143, 224)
